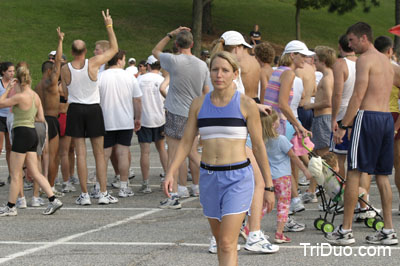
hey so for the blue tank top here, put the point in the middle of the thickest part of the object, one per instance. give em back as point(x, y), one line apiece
point(225, 122)
point(3, 111)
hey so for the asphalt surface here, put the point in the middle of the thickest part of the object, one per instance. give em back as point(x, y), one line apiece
point(136, 232)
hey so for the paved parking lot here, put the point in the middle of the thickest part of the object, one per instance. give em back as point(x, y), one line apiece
point(136, 232)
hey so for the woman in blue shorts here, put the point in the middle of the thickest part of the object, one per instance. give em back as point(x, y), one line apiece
point(223, 118)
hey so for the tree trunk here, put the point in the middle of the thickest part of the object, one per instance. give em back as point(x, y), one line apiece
point(207, 27)
point(397, 22)
point(197, 16)
point(297, 18)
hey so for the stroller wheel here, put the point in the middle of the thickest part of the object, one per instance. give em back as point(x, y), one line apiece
point(327, 227)
point(378, 224)
point(318, 223)
point(369, 222)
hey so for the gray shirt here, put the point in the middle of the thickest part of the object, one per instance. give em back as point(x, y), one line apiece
point(188, 75)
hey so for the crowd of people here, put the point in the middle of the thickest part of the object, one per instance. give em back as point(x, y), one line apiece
point(248, 115)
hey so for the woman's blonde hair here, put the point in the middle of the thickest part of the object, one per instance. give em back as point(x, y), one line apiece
point(228, 57)
point(23, 75)
point(267, 123)
point(219, 46)
point(285, 60)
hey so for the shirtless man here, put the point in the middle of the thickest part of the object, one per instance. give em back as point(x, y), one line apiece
point(84, 117)
point(265, 54)
point(321, 126)
point(384, 45)
point(47, 89)
point(368, 112)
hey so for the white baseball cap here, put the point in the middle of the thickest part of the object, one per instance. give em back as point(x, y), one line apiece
point(234, 38)
point(297, 47)
point(151, 60)
point(53, 53)
point(132, 60)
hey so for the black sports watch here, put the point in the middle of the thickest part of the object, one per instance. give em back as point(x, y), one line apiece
point(343, 126)
point(271, 189)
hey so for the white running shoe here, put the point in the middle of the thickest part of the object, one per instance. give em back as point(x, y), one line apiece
point(260, 245)
point(195, 191)
point(116, 183)
point(183, 192)
point(308, 197)
point(213, 249)
point(125, 192)
point(145, 189)
point(21, 203)
point(106, 198)
point(95, 193)
point(83, 199)
point(7, 211)
point(74, 180)
point(37, 202)
point(68, 187)
point(53, 207)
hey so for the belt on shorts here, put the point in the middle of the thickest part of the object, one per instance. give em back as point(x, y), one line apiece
point(225, 167)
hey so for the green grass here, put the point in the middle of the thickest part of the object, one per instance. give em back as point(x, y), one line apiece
point(28, 27)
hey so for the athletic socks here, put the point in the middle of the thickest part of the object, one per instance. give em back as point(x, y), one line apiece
point(10, 205)
point(52, 198)
point(124, 184)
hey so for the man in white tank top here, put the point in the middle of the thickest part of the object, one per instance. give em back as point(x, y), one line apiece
point(344, 73)
point(84, 117)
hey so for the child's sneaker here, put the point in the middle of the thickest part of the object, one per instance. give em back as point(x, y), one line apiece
point(337, 237)
point(292, 226)
point(281, 238)
point(382, 238)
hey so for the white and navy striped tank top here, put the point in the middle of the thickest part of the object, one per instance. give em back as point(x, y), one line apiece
point(222, 122)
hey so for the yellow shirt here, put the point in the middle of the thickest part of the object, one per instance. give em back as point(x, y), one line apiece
point(393, 102)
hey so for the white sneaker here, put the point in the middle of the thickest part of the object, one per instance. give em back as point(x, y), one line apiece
point(53, 207)
point(74, 180)
point(308, 197)
point(7, 211)
point(83, 199)
point(360, 217)
point(125, 192)
point(195, 191)
point(145, 189)
point(131, 174)
point(303, 180)
point(213, 249)
point(296, 206)
point(92, 178)
point(37, 202)
point(21, 203)
point(260, 244)
point(183, 192)
point(95, 192)
point(57, 193)
point(116, 183)
point(106, 199)
point(68, 187)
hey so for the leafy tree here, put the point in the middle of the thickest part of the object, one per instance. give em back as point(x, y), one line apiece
point(339, 6)
point(197, 23)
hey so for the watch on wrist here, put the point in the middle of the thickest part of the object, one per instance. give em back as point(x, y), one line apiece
point(271, 189)
point(169, 35)
point(343, 126)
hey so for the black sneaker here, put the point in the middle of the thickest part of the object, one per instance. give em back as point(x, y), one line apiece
point(338, 238)
point(2, 183)
point(383, 239)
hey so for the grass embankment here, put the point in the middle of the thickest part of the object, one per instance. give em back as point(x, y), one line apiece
point(28, 27)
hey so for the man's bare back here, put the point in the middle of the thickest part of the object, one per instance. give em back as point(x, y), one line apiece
point(250, 74)
point(307, 75)
point(324, 94)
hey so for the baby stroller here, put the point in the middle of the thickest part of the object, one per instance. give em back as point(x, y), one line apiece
point(331, 187)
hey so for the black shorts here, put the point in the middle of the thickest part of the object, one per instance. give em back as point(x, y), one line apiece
point(85, 121)
point(25, 140)
point(305, 117)
point(148, 135)
point(122, 137)
point(53, 126)
point(3, 124)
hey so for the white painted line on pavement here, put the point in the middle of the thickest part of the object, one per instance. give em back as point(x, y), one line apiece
point(145, 244)
point(71, 237)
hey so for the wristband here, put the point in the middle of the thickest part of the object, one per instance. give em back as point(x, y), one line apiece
point(169, 35)
point(343, 126)
point(271, 189)
point(109, 25)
